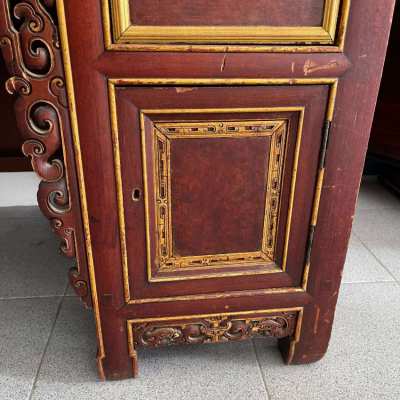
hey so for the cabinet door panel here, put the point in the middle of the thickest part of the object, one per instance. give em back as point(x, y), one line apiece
point(203, 22)
point(218, 195)
point(221, 12)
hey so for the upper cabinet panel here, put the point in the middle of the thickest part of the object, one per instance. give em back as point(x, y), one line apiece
point(132, 24)
point(226, 13)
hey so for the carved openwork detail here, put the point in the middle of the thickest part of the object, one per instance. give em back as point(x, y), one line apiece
point(214, 329)
point(164, 133)
point(277, 158)
point(31, 49)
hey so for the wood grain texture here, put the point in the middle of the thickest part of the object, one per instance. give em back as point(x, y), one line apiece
point(218, 195)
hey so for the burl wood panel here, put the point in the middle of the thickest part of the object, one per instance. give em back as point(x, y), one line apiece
point(218, 194)
point(226, 12)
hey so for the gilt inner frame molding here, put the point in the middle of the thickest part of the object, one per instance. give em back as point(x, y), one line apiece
point(121, 34)
point(121, 212)
point(115, 82)
point(163, 135)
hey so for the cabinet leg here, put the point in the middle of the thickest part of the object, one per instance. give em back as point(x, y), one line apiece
point(116, 359)
point(313, 340)
point(116, 369)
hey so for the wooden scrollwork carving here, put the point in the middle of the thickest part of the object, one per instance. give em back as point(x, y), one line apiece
point(214, 329)
point(31, 50)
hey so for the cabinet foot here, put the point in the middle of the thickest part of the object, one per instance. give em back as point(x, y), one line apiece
point(109, 372)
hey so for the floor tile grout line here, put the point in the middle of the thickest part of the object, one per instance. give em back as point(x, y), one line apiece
point(38, 217)
point(369, 282)
point(377, 208)
point(47, 345)
point(378, 260)
point(52, 296)
point(260, 370)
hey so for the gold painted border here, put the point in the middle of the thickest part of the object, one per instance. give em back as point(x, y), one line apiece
point(276, 269)
point(330, 36)
point(126, 32)
point(295, 339)
point(81, 179)
point(112, 83)
point(261, 254)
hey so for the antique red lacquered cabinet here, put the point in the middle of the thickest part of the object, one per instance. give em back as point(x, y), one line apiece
point(200, 159)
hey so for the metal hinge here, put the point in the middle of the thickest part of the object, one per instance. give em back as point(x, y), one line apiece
point(326, 130)
point(321, 171)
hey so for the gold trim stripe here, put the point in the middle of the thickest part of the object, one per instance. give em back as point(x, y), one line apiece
point(222, 295)
point(81, 179)
point(226, 314)
point(218, 82)
point(118, 179)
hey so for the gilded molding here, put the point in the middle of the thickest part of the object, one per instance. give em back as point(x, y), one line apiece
point(122, 34)
point(163, 134)
point(263, 256)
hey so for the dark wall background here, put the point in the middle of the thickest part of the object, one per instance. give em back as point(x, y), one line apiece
point(11, 157)
point(383, 158)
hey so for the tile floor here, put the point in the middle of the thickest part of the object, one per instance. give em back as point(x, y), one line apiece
point(47, 340)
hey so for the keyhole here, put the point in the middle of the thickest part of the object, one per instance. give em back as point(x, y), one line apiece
point(136, 193)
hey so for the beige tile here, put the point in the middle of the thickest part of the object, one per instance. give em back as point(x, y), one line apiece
point(25, 326)
point(192, 372)
point(374, 196)
point(30, 261)
point(363, 360)
point(362, 266)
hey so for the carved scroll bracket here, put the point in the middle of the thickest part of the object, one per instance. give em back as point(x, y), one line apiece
point(31, 49)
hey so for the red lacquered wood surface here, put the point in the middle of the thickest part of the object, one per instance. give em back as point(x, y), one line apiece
point(118, 100)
